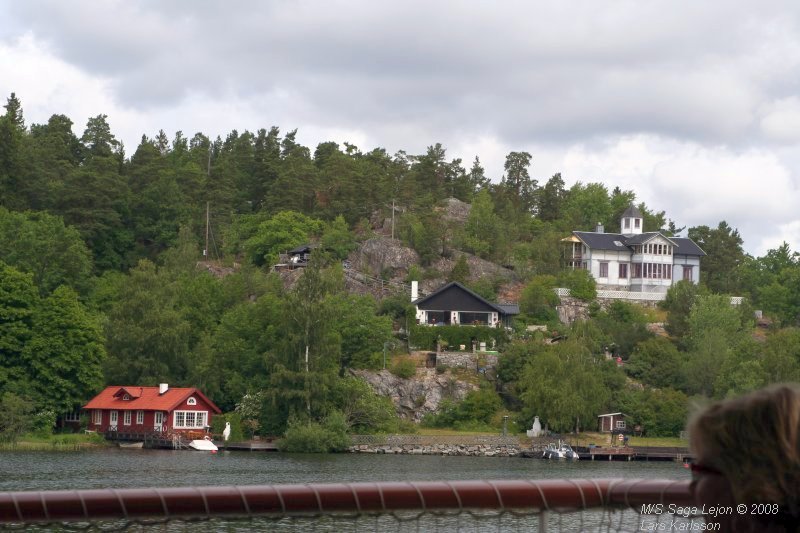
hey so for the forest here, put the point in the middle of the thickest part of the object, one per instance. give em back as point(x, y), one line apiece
point(99, 284)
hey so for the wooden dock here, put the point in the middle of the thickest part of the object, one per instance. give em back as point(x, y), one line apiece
point(247, 446)
point(634, 453)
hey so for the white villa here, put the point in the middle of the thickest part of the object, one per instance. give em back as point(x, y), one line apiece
point(633, 260)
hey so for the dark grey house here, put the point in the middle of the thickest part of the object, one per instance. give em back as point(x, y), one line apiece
point(454, 304)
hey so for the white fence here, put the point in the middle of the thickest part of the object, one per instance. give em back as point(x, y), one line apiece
point(634, 295)
point(621, 295)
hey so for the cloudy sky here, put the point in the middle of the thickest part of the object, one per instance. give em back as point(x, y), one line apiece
point(693, 105)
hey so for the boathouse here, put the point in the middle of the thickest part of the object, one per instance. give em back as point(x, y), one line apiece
point(150, 410)
point(611, 423)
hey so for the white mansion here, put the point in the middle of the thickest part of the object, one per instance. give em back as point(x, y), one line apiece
point(633, 260)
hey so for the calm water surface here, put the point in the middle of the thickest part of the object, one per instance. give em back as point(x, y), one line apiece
point(121, 468)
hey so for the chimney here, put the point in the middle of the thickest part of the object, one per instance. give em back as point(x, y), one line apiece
point(414, 290)
point(599, 228)
point(162, 388)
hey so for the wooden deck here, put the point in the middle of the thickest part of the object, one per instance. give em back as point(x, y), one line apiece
point(635, 453)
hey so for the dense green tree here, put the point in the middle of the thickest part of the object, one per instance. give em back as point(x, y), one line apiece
point(678, 303)
point(538, 300)
point(18, 302)
point(658, 363)
point(12, 139)
point(263, 239)
point(520, 187)
point(580, 283)
point(723, 246)
point(460, 271)
point(39, 243)
point(148, 338)
point(551, 199)
point(563, 386)
point(65, 356)
point(483, 231)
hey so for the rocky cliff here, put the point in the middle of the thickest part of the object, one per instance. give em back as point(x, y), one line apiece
point(415, 397)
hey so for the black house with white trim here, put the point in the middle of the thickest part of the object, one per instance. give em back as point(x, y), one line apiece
point(454, 304)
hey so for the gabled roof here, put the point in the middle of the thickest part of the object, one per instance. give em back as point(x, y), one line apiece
point(611, 414)
point(133, 392)
point(454, 285)
point(148, 398)
point(686, 246)
point(645, 237)
point(620, 242)
point(602, 241)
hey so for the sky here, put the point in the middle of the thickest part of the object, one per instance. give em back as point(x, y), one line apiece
point(695, 106)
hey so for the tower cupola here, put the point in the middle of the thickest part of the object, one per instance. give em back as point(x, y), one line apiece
point(631, 223)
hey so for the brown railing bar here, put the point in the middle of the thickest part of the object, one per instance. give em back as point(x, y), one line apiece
point(292, 500)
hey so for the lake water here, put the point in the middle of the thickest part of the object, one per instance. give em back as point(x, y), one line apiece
point(122, 468)
point(127, 468)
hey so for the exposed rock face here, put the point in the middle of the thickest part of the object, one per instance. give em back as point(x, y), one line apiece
point(380, 254)
point(572, 309)
point(456, 211)
point(415, 397)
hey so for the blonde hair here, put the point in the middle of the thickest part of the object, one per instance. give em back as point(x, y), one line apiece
point(753, 441)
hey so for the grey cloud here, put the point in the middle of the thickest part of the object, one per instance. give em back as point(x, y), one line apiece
point(536, 72)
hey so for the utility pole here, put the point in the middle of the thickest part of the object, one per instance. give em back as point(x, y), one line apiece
point(205, 251)
point(392, 218)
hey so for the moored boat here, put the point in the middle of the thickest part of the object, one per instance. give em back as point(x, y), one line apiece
point(204, 445)
point(560, 451)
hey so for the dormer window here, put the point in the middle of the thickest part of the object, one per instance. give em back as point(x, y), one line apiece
point(126, 397)
point(191, 401)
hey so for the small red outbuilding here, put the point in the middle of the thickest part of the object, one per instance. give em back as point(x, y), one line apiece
point(150, 409)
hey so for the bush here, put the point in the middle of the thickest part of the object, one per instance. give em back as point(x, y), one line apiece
point(315, 437)
point(425, 337)
point(404, 367)
point(580, 283)
point(218, 426)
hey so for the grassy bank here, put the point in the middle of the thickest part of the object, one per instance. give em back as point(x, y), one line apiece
point(64, 442)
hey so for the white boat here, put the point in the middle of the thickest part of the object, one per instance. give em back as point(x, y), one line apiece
point(204, 445)
point(137, 444)
point(560, 451)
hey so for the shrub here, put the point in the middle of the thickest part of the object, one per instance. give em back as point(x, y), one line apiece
point(404, 367)
point(314, 437)
point(580, 283)
point(425, 337)
point(218, 425)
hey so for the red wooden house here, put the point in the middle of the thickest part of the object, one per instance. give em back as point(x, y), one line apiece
point(150, 409)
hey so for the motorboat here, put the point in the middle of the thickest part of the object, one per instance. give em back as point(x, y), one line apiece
point(203, 445)
point(560, 451)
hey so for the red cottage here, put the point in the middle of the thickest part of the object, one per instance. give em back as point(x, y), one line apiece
point(150, 410)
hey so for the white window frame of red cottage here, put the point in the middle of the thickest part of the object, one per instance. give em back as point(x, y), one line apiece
point(97, 417)
point(620, 424)
point(140, 417)
point(189, 419)
point(126, 418)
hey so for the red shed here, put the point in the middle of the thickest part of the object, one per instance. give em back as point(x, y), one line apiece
point(611, 423)
point(150, 409)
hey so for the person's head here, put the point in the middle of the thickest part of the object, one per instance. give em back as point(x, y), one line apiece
point(747, 450)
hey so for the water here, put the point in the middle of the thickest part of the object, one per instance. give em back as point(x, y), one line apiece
point(128, 468)
point(132, 468)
